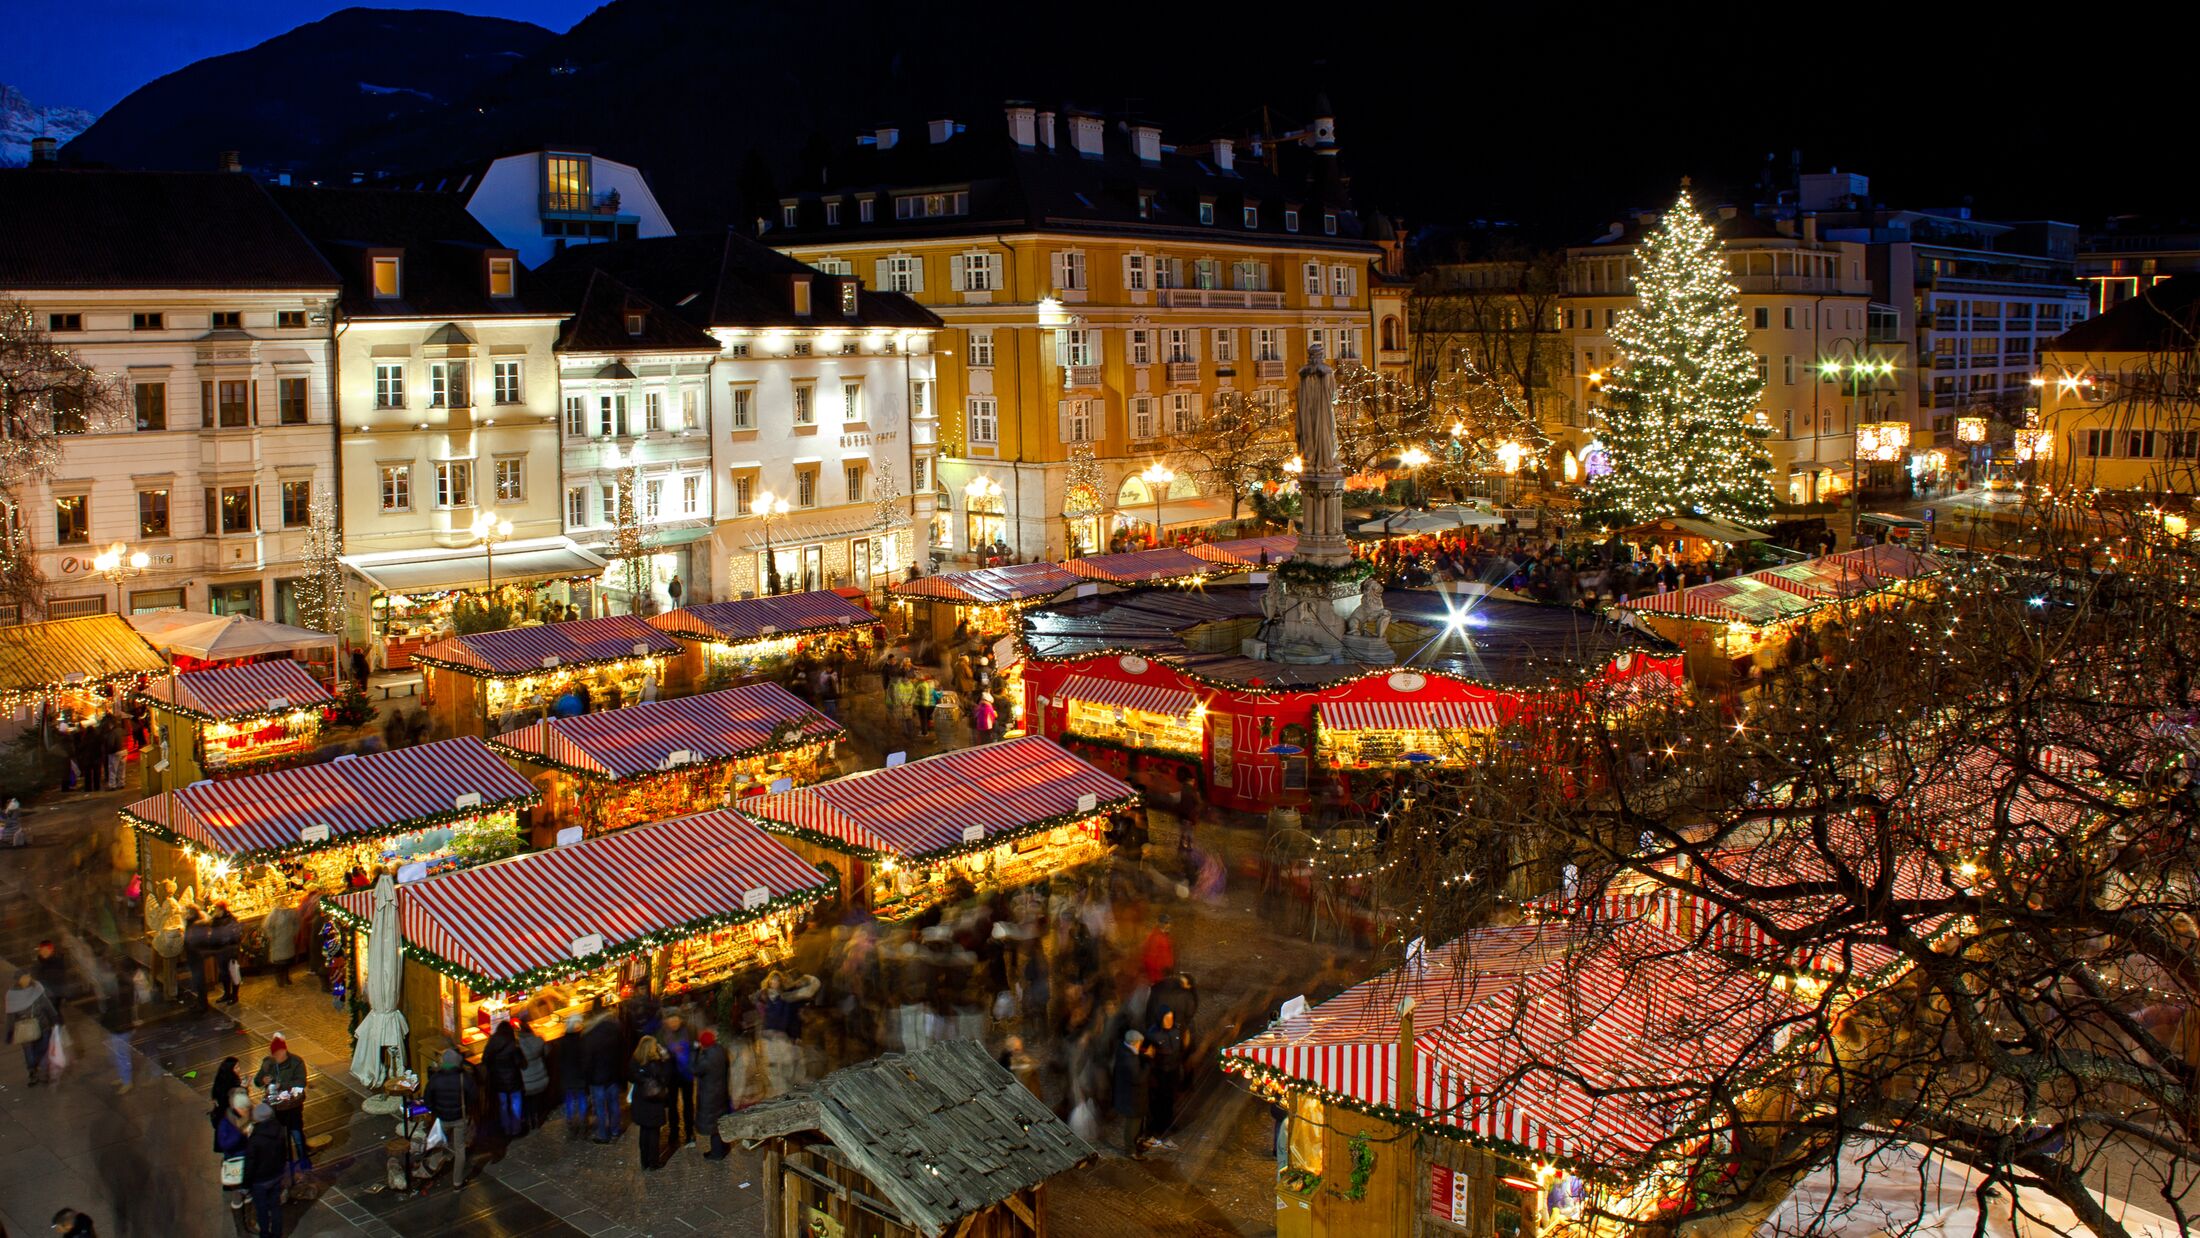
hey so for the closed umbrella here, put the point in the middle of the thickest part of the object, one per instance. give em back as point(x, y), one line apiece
point(384, 1027)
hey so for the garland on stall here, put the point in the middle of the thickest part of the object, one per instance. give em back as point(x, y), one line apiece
point(612, 953)
point(527, 757)
point(279, 715)
point(833, 842)
point(480, 812)
point(1363, 1165)
point(1278, 689)
point(578, 664)
point(1300, 573)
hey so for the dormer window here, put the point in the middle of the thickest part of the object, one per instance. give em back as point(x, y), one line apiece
point(388, 275)
point(636, 321)
point(1290, 220)
point(503, 276)
point(866, 209)
point(1145, 204)
point(802, 296)
point(1329, 225)
point(787, 214)
point(832, 214)
point(849, 292)
point(1207, 212)
point(1252, 217)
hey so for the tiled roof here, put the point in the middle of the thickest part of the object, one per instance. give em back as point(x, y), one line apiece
point(96, 229)
point(601, 306)
point(2160, 320)
point(445, 251)
point(727, 280)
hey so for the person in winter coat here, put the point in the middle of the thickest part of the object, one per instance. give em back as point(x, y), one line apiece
point(227, 935)
point(679, 1047)
point(984, 716)
point(232, 1129)
point(606, 1069)
point(266, 1157)
point(282, 939)
point(651, 1078)
point(1171, 1050)
point(226, 1080)
point(713, 1069)
point(505, 1066)
point(1130, 1091)
point(1159, 956)
point(535, 1079)
point(31, 1019)
point(450, 1094)
point(573, 1076)
point(282, 1071)
point(198, 947)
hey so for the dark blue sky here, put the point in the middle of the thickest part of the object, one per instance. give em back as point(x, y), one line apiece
point(90, 53)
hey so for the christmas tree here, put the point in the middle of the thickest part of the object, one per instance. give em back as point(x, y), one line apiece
point(1681, 426)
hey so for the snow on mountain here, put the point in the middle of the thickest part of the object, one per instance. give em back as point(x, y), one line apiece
point(21, 120)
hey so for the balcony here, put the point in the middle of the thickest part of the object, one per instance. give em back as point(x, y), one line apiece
point(1080, 376)
point(1218, 298)
point(923, 431)
point(582, 202)
point(1182, 371)
point(1791, 283)
point(1269, 369)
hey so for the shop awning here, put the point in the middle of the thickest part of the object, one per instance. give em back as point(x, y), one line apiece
point(750, 619)
point(659, 736)
point(547, 646)
point(1820, 579)
point(415, 571)
point(1739, 599)
point(36, 658)
point(1409, 715)
point(516, 922)
point(216, 638)
point(224, 693)
point(991, 586)
point(1890, 562)
point(1709, 527)
point(787, 534)
point(385, 793)
point(1092, 691)
point(1142, 566)
point(1248, 551)
point(1181, 513)
point(947, 804)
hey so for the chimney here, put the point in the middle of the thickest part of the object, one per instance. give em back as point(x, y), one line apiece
point(887, 136)
point(1022, 124)
point(1147, 141)
point(1085, 134)
point(229, 161)
point(1046, 130)
point(939, 130)
point(1225, 155)
point(45, 152)
point(1810, 227)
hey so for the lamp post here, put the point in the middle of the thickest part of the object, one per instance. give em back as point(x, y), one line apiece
point(1157, 477)
point(119, 563)
point(491, 531)
point(1415, 460)
point(770, 507)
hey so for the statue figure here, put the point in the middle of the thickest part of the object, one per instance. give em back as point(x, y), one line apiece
point(1372, 619)
point(1317, 415)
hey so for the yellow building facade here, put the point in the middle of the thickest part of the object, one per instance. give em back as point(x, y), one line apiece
point(2115, 405)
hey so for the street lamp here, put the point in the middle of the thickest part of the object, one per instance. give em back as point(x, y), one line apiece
point(119, 563)
point(1414, 459)
point(770, 507)
point(1157, 477)
point(491, 531)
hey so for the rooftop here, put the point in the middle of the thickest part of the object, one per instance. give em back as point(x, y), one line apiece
point(725, 279)
point(2162, 319)
point(444, 251)
point(66, 228)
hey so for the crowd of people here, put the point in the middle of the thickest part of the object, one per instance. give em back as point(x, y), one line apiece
point(1587, 574)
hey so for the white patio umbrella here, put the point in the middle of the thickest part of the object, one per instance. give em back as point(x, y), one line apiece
point(384, 1027)
point(1434, 520)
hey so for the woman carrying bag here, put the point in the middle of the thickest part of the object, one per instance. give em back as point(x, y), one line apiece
point(232, 1133)
point(31, 1020)
point(650, 1088)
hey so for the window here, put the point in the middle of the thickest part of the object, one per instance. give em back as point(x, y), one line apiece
point(805, 488)
point(691, 495)
point(576, 417)
point(801, 306)
point(978, 272)
point(1225, 346)
point(834, 266)
point(981, 349)
point(850, 298)
point(849, 348)
point(1252, 217)
point(1348, 345)
point(511, 480)
point(1142, 426)
point(832, 214)
point(1181, 344)
point(72, 519)
point(387, 274)
point(855, 483)
point(610, 504)
point(1787, 370)
point(148, 322)
point(232, 507)
point(1761, 317)
point(920, 400)
point(788, 213)
point(866, 209)
point(1204, 272)
point(389, 384)
point(1077, 421)
point(1141, 347)
point(227, 320)
point(653, 499)
point(1076, 346)
point(151, 403)
point(2181, 444)
point(1290, 220)
point(744, 408)
point(851, 401)
point(611, 415)
point(226, 403)
point(805, 413)
point(454, 483)
point(984, 416)
point(742, 486)
point(576, 507)
point(397, 487)
point(1764, 369)
point(1206, 212)
point(691, 408)
point(297, 504)
point(931, 205)
point(1340, 281)
point(1313, 279)
point(1329, 225)
point(152, 513)
point(923, 472)
point(505, 379)
point(901, 273)
point(1145, 204)
point(1787, 316)
point(450, 385)
point(653, 411)
point(1134, 273)
point(1168, 272)
point(637, 321)
point(1183, 412)
point(802, 348)
point(64, 322)
point(1267, 344)
point(290, 401)
point(1069, 269)
point(1249, 276)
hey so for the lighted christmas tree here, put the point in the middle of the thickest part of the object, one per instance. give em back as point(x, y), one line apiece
point(1680, 423)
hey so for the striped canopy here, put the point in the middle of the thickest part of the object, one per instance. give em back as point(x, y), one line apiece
point(1409, 715)
point(752, 619)
point(228, 692)
point(1246, 552)
point(976, 797)
point(501, 921)
point(1142, 566)
point(1890, 562)
point(991, 586)
point(524, 651)
point(385, 793)
point(1739, 599)
point(1820, 579)
point(639, 739)
point(44, 657)
point(1094, 691)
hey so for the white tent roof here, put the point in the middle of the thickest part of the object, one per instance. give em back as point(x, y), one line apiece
point(215, 638)
point(1434, 520)
point(1897, 1189)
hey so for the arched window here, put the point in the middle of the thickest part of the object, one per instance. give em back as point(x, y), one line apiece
point(1390, 334)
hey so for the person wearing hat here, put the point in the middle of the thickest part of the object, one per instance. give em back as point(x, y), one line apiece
point(266, 1158)
point(284, 1077)
point(713, 1069)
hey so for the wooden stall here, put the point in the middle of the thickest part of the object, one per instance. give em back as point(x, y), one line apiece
point(1141, 717)
point(907, 837)
point(647, 762)
point(942, 1140)
point(744, 641)
point(261, 839)
point(1689, 538)
point(70, 670)
point(486, 683)
point(566, 931)
point(231, 720)
point(1386, 734)
point(983, 603)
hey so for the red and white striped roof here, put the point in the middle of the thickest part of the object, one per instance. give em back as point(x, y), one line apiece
point(636, 740)
point(523, 651)
point(384, 793)
point(243, 691)
point(1890, 562)
point(1408, 715)
point(1738, 599)
point(991, 586)
point(925, 807)
point(1142, 566)
point(753, 619)
point(1247, 551)
point(523, 914)
point(1151, 697)
point(1820, 579)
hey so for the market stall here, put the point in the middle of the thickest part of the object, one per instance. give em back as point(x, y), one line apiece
point(194, 640)
point(413, 598)
point(984, 603)
point(1732, 628)
point(71, 669)
point(232, 720)
point(755, 638)
point(485, 683)
point(262, 839)
point(1140, 716)
point(1250, 553)
point(1384, 734)
point(647, 762)
point(1163, 565)
point(994, 817)
point(659, 909)
point(1689, 538)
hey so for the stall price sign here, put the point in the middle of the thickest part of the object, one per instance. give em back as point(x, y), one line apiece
point(1447, 1194)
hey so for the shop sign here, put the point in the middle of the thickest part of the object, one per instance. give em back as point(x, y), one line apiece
point(315, 833)
point(549, 661)
point(583, 947)
point(1087, 802)
point(973, 833)
point(472, 799)
point(569, 835)
point(412, 872)
point(676, 758)
point(781, 785)
point(754, 897)
point(896, 758)
point(1447, 1194)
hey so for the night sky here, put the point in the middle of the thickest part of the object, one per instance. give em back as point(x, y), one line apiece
point(1559, 115)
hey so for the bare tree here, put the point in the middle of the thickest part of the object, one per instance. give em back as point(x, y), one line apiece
point(1240, 440)
point(1499, 318)
point(47, 394)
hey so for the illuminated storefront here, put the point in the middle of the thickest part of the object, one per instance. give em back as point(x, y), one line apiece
point(231, 720)
point(490, 682)
point(736, 642)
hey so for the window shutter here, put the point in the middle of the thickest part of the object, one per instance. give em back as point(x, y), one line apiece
point(878, 274)
point(955, 278)
point(916, 274)
point(1061, 348)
